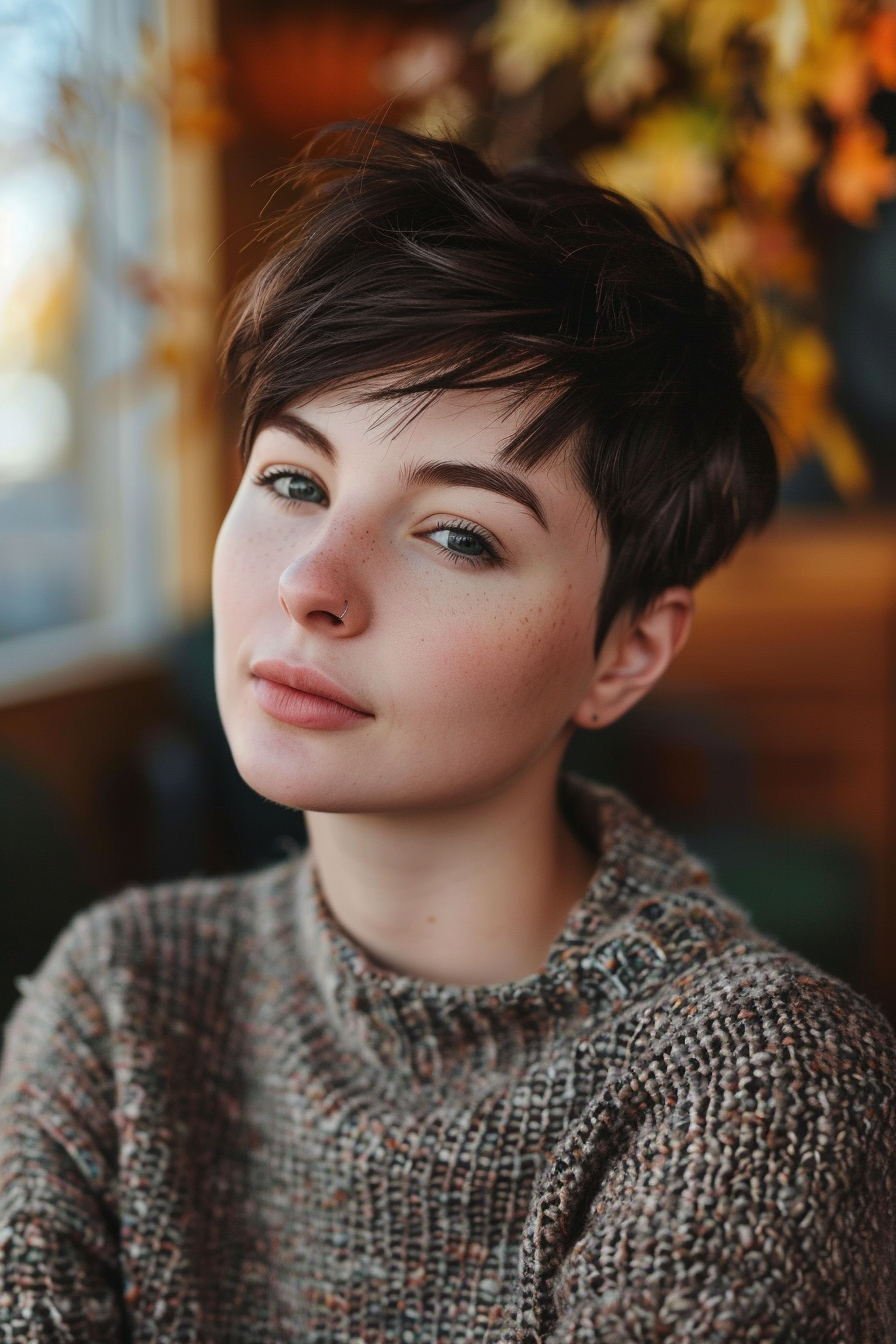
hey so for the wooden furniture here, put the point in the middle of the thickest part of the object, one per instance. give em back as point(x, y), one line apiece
point(796, 637)
point(80, 744)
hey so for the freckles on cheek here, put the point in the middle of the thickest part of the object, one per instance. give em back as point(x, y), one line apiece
point(480, 669)
point(549, 651)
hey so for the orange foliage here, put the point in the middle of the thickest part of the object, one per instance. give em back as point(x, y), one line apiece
point(859, 172)
point(881, 40)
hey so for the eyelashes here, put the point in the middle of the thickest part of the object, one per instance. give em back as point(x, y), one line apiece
point(270, 479)
point(294, 488)
point(459, 527)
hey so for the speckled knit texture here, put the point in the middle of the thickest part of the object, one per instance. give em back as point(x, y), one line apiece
point(219, 1121)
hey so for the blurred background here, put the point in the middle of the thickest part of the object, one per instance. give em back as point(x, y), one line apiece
point(139, 146)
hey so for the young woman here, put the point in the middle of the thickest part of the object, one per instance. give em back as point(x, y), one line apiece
point(492, 1061)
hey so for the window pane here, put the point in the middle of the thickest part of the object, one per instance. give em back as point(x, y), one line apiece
point(81, 192)
point(45, 533)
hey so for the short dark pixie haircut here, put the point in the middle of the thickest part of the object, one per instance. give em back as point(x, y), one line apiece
point(407, 267)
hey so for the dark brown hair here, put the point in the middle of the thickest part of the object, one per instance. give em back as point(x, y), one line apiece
point(408, 267)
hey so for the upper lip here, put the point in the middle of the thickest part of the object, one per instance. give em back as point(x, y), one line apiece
point(305, 679)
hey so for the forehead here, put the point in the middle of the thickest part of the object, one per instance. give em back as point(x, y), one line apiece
point(480, 422)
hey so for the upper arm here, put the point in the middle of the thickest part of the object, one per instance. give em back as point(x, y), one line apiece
point(752, 1198)
point(58, 1160)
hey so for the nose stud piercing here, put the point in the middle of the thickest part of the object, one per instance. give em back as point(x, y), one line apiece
point(342, 617)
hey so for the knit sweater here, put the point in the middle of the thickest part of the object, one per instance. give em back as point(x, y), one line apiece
point(220, 1121)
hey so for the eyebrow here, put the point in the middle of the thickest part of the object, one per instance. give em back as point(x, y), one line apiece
point(470, 474)
point(293, 424)
point(499, 481)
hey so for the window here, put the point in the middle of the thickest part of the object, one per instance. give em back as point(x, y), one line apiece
point(89, 500)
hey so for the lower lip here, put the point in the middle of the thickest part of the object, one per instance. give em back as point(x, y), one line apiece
point(301, 709)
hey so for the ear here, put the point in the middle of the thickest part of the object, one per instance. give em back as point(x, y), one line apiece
point(634, 656)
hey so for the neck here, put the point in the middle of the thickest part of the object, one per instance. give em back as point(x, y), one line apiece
point(471, 895)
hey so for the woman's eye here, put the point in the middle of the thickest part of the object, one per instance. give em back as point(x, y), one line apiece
point(464, 543)
point(295, 487)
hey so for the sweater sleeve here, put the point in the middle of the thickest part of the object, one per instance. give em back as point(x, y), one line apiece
point(59, 1275)
point(741, 1186)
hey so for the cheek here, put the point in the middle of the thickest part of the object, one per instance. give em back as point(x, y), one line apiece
point(244, 571)
point(228, 579)
point(238, 600)
point(495, 669)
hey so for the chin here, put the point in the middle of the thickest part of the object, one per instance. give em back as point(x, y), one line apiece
point(354, 772)
point(302, 770)
point(290, 775)
point(352, 787)
point(308, 776)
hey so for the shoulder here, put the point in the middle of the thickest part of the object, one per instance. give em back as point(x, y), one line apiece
point(197, 917)
point(705, 993)
point(761, 1038)
point(148, 953)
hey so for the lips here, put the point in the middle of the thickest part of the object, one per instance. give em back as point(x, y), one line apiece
point(303, 697)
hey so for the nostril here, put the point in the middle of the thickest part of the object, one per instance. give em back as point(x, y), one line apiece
point(337, 620)
point(301, 603)
point(321, 614)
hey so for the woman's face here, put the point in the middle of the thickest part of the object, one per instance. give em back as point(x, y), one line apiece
point(450, 601)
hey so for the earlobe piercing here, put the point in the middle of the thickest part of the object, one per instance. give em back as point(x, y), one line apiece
point(594, 718)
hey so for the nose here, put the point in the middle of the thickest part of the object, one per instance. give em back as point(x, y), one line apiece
point(321, 593)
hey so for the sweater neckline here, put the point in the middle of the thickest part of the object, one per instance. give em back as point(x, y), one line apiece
point(422, 1031)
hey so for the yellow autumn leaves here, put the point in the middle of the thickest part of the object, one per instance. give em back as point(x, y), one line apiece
point(797, 56)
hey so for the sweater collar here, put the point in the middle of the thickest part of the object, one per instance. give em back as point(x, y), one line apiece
point(617, 943)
